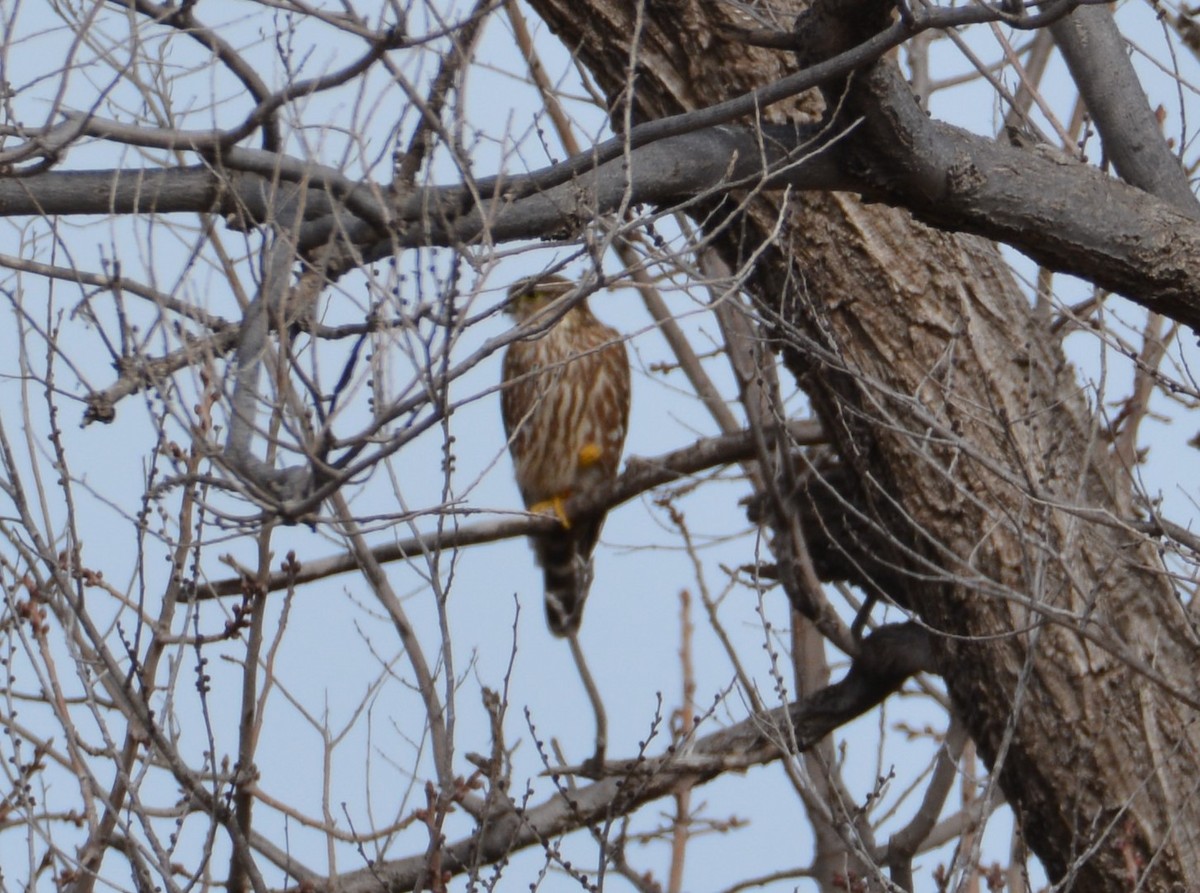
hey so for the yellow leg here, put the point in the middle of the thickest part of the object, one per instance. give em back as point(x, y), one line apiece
point(589, 454)
point(556, 506)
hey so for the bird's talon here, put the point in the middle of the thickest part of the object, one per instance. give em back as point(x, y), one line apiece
point(556, 506)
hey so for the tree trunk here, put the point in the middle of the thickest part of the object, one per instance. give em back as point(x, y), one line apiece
point(1063, 645)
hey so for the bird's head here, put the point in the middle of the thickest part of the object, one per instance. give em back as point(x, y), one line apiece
point(530, 296)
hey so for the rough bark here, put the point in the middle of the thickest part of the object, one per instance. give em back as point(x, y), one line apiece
point(1063, 646)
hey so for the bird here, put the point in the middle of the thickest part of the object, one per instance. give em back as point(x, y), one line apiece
point(564, 400)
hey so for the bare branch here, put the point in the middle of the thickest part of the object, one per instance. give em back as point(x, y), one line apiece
point(640, 475)
point(887, 659)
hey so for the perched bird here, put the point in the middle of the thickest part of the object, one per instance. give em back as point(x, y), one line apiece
point(565, 405)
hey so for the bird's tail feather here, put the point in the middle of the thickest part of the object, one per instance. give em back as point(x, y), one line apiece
point(566, 560)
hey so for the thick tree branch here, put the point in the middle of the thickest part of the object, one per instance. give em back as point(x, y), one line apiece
point(1065, 215)
point(1094, 51)
point(886, 659)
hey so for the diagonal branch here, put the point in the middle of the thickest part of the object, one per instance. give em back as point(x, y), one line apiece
point(886, 659)
point(1034, 200)
point(639, 476)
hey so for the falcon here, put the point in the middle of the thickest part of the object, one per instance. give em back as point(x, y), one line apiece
point(565, 405)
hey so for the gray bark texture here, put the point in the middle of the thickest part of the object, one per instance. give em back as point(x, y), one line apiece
point(973, 451)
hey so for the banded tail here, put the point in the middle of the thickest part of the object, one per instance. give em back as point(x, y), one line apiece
point(566, 559)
